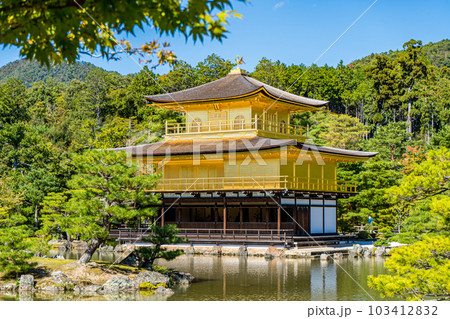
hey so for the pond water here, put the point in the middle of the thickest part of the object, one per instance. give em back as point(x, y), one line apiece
point(256, 278)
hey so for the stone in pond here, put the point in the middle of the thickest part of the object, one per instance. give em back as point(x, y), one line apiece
point(151, 277)
point(26, 283)
point(243, 251)
point(12, 286)
point(62, 280)
point(182, 279)
point(119, 283)
point(164, 291)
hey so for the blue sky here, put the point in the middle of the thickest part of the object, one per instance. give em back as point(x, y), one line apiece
point(299, 31)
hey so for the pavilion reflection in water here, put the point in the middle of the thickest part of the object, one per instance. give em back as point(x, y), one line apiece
point(255, 278)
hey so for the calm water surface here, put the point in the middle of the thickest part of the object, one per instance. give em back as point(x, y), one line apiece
point(256, 278)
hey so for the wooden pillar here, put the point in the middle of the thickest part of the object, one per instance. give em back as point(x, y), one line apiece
point(224, 216)
point(216, 214)
point(309, 214)
point(162, 216)
point(241, 216)
point(279, 219)
point(178, 214)
point(267, 216)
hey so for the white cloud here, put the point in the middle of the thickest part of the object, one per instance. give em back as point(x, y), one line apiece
point(279, 5)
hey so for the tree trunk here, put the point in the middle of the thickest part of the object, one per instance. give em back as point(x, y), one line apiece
point(99, 119)
point(92, 247)
point(36, 217)
point(408, 119)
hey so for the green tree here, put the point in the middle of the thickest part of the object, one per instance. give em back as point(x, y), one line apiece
point(181, 77)
point(442, 138)
point(390, 141)
point(44, 101)
point(412, 65)
point(23, 147)
point(106, 189)
point(98, 84)
point(54, 217)
point(374, 178)
point(26, 25)
point(342, 131)
point(428, 178)
point(384, 80)
point(159, 236)
point(423, 195)
point(272, 73)
point(419, 271)
point(15, 244)
point(12, 102)
point(212, 68)
point(37, 184)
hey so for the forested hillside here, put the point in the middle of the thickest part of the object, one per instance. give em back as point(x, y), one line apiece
point(30, 71)
point(438, 54)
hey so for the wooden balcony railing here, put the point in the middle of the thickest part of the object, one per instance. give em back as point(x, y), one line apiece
point(255, 183)
point(211, 235)
point(235, 125)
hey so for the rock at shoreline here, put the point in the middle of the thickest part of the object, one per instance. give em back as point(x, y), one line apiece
point(273, 252)
point(25, 295)
point(12, 286)
point(182, 279)
point(358, 249)
point(243, 251)
point(367, 253)
point(118, 283)
point(87, 290)
point(214, 251)
point(26, 283)
point(164, 291)
point(151, 277)
point(380, 251)
point(323, 256)
point(106, 249)
point(189, 250)
point(129, 259)
point(79, 245)
point(65, 245)
point(338, 256)
point(53, 290)
point(54, 242)
point(62, 280)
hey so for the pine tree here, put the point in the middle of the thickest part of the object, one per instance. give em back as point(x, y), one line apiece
point(412, 65)
point(107, 189)
point(15, 241)
point(159, 236)
point(420, 271)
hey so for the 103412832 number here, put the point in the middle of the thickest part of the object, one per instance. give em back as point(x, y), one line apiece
point(403, 311)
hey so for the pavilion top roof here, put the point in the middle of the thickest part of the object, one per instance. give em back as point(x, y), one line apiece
point(236, 84)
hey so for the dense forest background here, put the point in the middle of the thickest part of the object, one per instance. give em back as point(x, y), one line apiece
point(396, 103)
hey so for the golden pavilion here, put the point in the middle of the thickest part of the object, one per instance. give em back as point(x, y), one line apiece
point(238, 170)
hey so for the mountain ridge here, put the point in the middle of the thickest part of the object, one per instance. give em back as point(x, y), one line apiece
point(30, 71)
point(437, 52)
